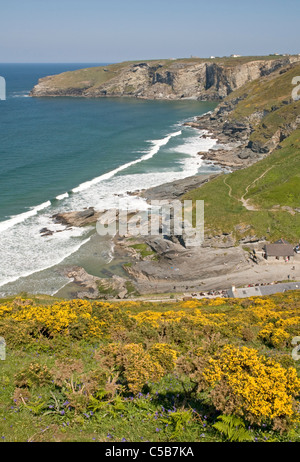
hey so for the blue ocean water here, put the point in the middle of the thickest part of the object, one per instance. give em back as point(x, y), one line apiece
point(69, 153)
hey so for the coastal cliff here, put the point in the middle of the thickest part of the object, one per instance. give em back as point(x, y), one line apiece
point(200, 79)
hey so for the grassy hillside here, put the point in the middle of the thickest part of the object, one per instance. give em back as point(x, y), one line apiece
point(137, 371)
point(279, 186)
point(271, 95)
point(88, 77)
point(261, 200)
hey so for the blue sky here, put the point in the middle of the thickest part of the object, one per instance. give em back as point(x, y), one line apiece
point(95, 31)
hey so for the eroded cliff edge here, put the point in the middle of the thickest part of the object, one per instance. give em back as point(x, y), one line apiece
point(199, 79)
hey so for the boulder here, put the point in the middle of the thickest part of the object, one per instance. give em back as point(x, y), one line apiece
point(78, 218)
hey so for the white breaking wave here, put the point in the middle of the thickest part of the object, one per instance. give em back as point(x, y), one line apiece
point(24, 252)
point(22, 216)
point(22, 94)
point(156, 147)
point(62, 196)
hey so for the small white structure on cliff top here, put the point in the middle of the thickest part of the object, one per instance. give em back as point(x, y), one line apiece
point(235, 56)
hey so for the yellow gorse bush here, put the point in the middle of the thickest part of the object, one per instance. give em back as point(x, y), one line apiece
point(164, 355)
point(260, 388)
point(276, 324)
point(142, 343)
point(273, 336)
point(217, 302)
point(5, 310)
point(135, 365)
point(196, 317)
point(139, 367)
point(60, 317)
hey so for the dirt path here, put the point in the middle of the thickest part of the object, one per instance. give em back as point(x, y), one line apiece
point(244, 201)
point(230, 188)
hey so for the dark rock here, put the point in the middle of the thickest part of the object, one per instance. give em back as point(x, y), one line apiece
point(47, 232)
point(233, 128)
point(258, 147)
point(44, 230)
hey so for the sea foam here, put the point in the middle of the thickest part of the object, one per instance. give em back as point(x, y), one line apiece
point(24, 252)
point(4, 225)
point(157, 144)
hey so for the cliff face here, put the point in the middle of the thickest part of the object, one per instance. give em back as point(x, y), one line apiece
point(202, 80)
point(253, 121)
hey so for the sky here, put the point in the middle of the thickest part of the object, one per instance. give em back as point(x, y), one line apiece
point(107, 31)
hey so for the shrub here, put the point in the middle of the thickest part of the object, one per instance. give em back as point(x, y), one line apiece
point(248, 334)
point(164, 355)
point(273, 336)
point(135, 366)
point(251, 386)
point(35, 375)
point(71, 318)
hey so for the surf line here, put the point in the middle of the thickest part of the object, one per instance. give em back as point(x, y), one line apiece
point(154, 150)
point(157, 144)
point(4, 225)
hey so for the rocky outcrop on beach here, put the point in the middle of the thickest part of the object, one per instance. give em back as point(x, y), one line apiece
point(180, 269)
point(175, 189)
point(93, 287)
point(199, 79)
point(78, 218)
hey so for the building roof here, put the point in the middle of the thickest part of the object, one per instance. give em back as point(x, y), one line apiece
point(279, 250)
point(261, 291)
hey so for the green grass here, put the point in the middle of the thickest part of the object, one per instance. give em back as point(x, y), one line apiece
point(268, 185)
point(143, 249)
point(107, 290)
point(264, 94)
point(131, 289)
point(280, 186)
point(165, 411)
point(136, 420)
point(86, 78)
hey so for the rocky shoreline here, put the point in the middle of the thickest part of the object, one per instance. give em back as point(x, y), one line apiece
point(165, 264)
point(169, 266)
point(233, 149)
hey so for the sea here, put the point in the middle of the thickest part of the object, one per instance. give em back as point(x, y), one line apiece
point(67, 154)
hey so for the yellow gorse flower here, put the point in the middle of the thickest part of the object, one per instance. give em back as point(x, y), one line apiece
point(60, 317)
point(264, 389)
